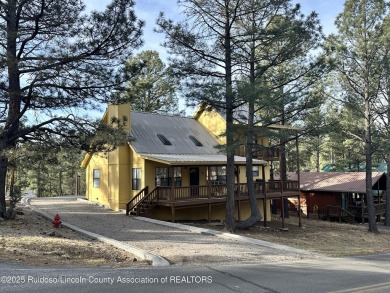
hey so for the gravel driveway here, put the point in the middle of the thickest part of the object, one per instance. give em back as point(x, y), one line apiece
point(178, 246)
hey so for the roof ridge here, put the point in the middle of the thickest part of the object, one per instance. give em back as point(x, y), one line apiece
point(164, 115)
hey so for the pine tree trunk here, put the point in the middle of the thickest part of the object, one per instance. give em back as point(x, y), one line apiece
point(387, 213)
point(372, 227)
point(255, 216)
point(14, 100)
point(283, 166)
point(230, 151)
point(3, 179)
point(60, 193)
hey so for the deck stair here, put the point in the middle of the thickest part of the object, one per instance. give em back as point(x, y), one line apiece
point(142, 202)
point(337, 213)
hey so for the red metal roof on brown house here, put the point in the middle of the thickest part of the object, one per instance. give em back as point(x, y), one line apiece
point(334, 181)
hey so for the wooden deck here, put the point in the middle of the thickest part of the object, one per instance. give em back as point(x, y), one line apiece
point(207, 195)
point(352, 214)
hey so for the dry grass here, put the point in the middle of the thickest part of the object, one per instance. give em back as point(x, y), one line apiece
point(329, 238)
point(31, 239)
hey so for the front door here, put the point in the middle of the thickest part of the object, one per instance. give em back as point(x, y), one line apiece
point(194, 181)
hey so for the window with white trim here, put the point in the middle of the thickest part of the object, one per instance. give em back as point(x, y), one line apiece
point(255, 171)
point(136, 180)
point(96, 178)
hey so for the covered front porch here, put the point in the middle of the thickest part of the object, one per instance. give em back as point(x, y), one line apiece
point(208, 196)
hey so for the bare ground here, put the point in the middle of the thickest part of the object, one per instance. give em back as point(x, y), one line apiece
point(328, 238)
point(31, 239)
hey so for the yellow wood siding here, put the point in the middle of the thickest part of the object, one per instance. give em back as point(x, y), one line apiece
point(214, 123)
point(218, 212)
point(97, 194)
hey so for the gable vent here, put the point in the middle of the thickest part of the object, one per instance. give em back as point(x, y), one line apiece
point(163, 139)
point(195, 141)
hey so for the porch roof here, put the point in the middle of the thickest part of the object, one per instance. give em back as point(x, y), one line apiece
point(178, 159)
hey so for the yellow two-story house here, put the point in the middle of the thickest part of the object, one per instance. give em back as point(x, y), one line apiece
point(173, 168)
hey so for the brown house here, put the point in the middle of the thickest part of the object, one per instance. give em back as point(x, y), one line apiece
point(341, 195)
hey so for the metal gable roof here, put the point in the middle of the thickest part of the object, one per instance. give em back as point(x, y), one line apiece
point(146, 126)
point(334, 181)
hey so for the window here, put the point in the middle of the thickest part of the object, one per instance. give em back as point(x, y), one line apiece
point(136, 182)
point(177, 176)
point(162, 177)
point(195, 141)
point(96, 178)
point(255, 170)
point(163, 139)
point(217, 174)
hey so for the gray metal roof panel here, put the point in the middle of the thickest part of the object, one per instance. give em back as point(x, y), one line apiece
point(334, 181)
point(146, 126)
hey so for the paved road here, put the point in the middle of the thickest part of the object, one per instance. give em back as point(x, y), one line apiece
point(364, 274)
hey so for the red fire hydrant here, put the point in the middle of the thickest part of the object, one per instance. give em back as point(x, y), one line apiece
point(57, 221)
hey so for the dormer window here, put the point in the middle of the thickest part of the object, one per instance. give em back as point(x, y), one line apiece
point(163, 139)
point(242, 116)
point(195, 141)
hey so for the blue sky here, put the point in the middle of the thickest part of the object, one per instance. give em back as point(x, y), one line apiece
point(148, 10)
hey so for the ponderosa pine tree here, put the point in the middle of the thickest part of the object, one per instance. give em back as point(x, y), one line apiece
point(220, 46)
point(275, 37)
point(357, 51)
point(150, 86)
point(55, 58)
point(202, 57)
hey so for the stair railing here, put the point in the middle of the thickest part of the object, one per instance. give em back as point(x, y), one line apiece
point(132, 203)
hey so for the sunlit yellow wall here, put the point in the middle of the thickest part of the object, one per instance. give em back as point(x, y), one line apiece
point(218, 212)
point(114, 190)
point(137, 162)
point(119, 175)
point(97, 194)
point(214, 123)
point(243, 174)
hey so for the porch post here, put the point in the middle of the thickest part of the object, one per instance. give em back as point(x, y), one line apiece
point(299, 185)
point(209, 181)
point(265, 196)
point(173, 219)
point(238, 194)
point(171, 174)
point(282, 200)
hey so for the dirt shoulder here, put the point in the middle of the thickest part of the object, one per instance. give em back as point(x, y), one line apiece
point(329, 238)
point(31, 239)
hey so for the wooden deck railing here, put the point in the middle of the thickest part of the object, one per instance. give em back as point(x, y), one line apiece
point(220, 191)
point(183, 193)
point(132, 203)
point(357, 210)
point(354, 212)
point(329, 212)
